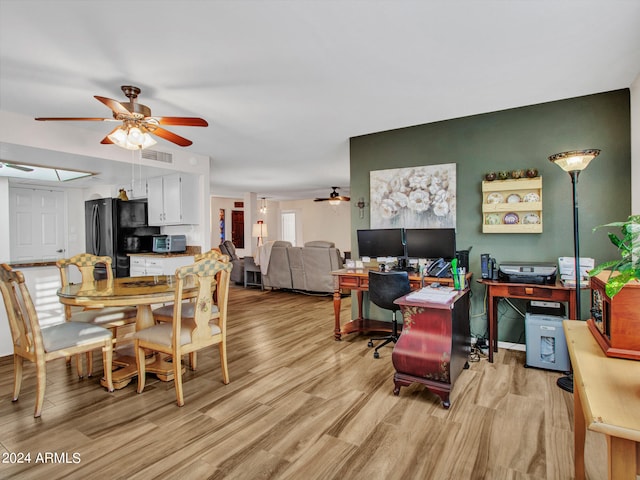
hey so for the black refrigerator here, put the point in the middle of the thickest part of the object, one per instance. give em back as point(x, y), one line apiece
point(116, 228)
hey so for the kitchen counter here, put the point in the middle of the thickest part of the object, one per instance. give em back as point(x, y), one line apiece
point(32, 263)
point(161, 255)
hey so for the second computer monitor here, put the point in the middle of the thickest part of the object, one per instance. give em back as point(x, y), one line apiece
point(431, 243)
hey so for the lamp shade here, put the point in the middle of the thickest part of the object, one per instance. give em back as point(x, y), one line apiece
point(575, 160)
point(259, 230)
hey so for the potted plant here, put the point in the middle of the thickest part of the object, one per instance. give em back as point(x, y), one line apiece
point(627, 268)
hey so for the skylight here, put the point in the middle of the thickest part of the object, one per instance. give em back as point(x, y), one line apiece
point(35, 172)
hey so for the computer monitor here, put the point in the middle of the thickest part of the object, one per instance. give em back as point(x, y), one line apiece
point(381, 242)
point(431, 243)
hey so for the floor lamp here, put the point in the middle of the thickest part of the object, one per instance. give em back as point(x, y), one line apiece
point(260, 231)
point(574, 162)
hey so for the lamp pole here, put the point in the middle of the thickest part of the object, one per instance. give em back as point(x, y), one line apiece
point(573, 163)
point(576, 239)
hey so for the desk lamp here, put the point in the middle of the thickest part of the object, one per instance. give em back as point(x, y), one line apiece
point(574, 162)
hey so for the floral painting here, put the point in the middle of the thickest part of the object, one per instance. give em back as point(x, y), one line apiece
point(414, 197)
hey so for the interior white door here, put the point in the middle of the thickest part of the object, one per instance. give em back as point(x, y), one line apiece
point(36, 228)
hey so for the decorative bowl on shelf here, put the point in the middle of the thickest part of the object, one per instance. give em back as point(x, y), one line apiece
point(490, 177)
point(493, 219)
point(531, 197)
point(511, 218)
point(495, 197)
point(517, 174)
point(532, 173)
point(503, 175)
point(531, 219)
point(513, 198)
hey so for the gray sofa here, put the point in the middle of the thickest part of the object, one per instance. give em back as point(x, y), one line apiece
point(305, 268)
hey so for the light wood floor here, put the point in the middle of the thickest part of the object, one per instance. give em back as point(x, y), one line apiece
point(299, 406)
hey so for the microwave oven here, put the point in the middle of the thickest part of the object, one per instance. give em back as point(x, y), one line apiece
point(169, 243)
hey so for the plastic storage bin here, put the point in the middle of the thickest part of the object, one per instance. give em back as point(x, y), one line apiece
point(545, 340)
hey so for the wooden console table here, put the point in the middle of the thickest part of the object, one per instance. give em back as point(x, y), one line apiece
point(358, 279)
point(496, 290)
point(606, 398)
point(434, 345)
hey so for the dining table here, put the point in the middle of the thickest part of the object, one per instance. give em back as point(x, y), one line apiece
point(141, 292)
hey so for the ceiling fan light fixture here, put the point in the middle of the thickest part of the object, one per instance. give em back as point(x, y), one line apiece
point(131, 138)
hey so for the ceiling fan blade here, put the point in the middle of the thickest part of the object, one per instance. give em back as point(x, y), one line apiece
point(114, 105)
point(182, 121)
point(75, 119)
point(170, 136)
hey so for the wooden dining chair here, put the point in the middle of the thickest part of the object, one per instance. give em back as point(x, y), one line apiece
point(107, 317)
point(40, 345)
point(165, 313)
point(185, 335)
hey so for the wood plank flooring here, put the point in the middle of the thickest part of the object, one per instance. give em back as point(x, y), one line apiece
point(299, 406)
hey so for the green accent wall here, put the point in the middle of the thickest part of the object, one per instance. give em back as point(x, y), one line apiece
point(518, 138)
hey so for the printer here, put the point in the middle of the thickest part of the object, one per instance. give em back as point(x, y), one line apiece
point(539, 273)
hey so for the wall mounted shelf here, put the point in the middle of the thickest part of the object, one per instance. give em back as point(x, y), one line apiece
point(512, 206)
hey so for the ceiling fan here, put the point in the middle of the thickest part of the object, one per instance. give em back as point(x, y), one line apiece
point(137, 122)
point(334, 197)
point(17, 167)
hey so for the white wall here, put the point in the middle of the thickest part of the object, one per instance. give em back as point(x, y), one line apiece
point(635, 146)
point(319, 221)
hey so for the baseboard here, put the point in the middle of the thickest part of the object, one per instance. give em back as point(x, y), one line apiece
point(512, 346)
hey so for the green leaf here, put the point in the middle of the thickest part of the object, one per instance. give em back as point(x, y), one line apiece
point(617, 283)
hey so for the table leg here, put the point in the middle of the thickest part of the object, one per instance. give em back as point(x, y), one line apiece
point(622, 458)
point(579, 434)
point(337, 302)
point(492, 321)
point(125, 365)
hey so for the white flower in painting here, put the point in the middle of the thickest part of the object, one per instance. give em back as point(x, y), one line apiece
point(419, 181)
point(419, 201)
point(400, 199)
point(379, 194)
point(388, 208)
point(434, 187)
point(399, 184)
point(441, 209)
point(440, 196)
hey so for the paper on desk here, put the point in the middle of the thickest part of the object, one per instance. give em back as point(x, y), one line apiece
point(435, 295)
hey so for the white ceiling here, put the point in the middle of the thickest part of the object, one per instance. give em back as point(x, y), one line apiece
point(284, 84)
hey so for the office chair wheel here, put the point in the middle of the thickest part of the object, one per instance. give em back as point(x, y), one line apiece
point(370, 344)
point(376, 355)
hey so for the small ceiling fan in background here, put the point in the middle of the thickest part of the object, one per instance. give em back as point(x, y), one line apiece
point(17, 167)
point(137, 122)
point(334, 197)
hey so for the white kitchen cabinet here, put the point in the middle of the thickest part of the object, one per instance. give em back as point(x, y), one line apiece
point(173, 200)
point(141, 265)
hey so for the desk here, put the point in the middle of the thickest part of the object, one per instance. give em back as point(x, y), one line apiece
point(606, 398)
point(434, 345)
point(141, 292)
point(495, 290)
point(358, 279)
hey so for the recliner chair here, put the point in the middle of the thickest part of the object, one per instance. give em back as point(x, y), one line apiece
point(237, 274)
point(384, 288)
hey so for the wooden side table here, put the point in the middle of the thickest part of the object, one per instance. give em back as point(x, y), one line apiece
point(434, 345)
point(606, 396)
point(496, 290)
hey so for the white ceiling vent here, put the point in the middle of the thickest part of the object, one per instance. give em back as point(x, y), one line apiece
point(158, 156)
